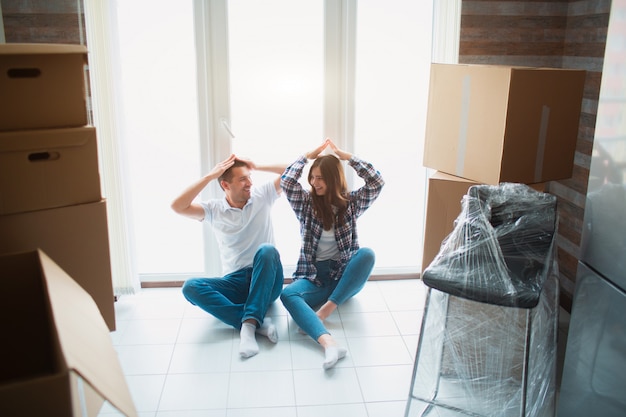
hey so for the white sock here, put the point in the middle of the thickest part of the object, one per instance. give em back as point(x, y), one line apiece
point(332, 355)
point(268, 330)
point(248, 346)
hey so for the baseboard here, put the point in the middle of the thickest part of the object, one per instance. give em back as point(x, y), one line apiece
point(173, 284)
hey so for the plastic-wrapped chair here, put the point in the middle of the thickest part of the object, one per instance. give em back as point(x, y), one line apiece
point(488, 341)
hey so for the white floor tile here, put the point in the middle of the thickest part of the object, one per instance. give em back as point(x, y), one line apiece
point(166, 306)
point(150, 332)
point(409, 294)
point(195, 391)
point(261, 389)
point(205, 329)
point(192, 413)
point(369, 324)
point(145, 359)
point(379, 351)
point(347, 410)
point(408, 322)
point(385, 383)
point(263, 412)
point(334, 386)
point(202, 357)
point(145, 391)
point(386, 409)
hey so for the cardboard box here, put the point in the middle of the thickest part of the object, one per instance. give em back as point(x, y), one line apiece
point(42, 85)
point(58, 359)
point(443, 206)
point(41, 169)
point(76, 237)
point(495, 124)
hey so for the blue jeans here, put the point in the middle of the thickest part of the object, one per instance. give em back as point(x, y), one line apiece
point(243, 294)
point(302, 297)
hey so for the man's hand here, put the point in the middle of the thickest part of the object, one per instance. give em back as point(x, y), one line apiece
point(221, 167)
point(251, 165)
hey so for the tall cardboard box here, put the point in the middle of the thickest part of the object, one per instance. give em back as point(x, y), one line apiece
point(77, 238)
point(42, 86)
point(493, 124)
point(48, 168)
point(58, 358)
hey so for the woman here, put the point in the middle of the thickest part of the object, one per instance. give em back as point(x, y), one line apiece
point(332, 267)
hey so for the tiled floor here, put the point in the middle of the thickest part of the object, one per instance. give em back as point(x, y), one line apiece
point(181, 362)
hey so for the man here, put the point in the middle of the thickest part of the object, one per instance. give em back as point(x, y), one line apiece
point(253, 273)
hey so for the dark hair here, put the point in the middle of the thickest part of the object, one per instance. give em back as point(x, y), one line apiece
point(336, 191)
point(228, 174)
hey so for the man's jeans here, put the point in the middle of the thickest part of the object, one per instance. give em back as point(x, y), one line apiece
point(243, 294)
point(302, 297)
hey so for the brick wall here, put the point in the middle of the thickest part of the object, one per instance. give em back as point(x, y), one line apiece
point(43, 21)
point(558, 34)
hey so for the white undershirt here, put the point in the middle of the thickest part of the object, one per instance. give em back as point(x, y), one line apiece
point(327, 247)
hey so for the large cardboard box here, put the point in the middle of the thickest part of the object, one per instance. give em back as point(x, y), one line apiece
point(58, 359)
point(493, 124)
point(42, 86)
point(77, 238)
point(41, 169)
point(443, 205)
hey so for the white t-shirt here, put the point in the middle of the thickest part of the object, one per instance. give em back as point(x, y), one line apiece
point(327, 247)
point(240, 232)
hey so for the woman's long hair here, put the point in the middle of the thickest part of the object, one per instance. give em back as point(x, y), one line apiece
point(336, 191)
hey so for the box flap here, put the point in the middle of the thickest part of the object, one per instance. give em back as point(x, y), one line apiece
point(40, 49)
point(84, 337)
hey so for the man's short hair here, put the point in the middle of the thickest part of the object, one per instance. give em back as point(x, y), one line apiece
point(228, 174)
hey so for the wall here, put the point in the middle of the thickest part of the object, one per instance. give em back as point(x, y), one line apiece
point(558, 34)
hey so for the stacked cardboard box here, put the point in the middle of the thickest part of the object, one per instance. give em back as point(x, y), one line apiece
point(50, 196)
point(489, 124)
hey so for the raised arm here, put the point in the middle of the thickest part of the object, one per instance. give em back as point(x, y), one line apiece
point(374, 182)
point(276, 169)
point(184, 203)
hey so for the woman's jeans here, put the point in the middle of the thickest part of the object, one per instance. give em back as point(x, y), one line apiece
point(243, 294)
point(302, 297)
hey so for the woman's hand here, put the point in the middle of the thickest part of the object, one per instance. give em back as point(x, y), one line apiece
point(317, 151)
point(344, 156)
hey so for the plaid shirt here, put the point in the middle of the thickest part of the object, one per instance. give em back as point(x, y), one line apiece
point(311, 227)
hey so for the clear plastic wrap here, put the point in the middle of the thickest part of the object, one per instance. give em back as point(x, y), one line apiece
point(488, 340)
point(500, 248)
point(477, 359)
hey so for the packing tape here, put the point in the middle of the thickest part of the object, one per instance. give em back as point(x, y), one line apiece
point(462, 140)
point(541, 144)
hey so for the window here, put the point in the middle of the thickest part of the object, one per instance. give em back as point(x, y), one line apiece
point(270, 80)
